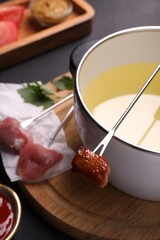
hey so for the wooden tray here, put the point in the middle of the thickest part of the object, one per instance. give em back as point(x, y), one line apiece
point(80, 209)
point(34, 39)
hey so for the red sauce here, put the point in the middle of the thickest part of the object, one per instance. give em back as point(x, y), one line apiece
point(6, 217)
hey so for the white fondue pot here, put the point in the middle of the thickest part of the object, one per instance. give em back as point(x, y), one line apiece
point(135, 170)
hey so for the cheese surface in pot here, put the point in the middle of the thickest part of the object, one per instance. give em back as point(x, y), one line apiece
point(107, 97)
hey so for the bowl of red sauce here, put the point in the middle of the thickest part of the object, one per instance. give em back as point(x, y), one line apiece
point(10, 212)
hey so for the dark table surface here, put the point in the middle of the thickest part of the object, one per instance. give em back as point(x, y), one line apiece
point(111, 16)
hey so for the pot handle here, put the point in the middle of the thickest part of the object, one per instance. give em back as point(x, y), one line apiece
point(77, 55)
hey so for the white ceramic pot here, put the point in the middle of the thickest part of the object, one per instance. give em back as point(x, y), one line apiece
point(135, 170)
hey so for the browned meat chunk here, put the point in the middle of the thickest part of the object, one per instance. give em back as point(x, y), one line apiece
point(92, 166)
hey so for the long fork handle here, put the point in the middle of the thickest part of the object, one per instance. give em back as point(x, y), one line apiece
point(29, 121)
point(61, 125)
point(105, 141)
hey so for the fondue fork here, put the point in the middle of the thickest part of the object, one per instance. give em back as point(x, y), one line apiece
point(105, 141)
point(29, 121)
point(156, 118)
point(66, 117)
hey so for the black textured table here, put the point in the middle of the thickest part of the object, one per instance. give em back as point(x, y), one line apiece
point(111, 16)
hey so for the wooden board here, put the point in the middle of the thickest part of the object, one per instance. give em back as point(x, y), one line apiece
point(34, 39)
point(80, 209)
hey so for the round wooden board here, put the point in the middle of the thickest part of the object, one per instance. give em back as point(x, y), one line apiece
point(80, 209)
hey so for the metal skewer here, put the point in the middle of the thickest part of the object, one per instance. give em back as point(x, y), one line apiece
point(61, 125)
point(105, 141)
point(156, 118)
point(29, 121)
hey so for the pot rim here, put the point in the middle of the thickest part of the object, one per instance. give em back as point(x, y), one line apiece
point(77, 89)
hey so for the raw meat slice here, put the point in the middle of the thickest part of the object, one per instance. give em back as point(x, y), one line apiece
point(12, 13)
point(35, 160)
point(12, 135)
point(8, 32)
point(91, 166)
